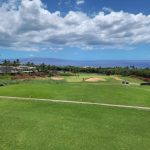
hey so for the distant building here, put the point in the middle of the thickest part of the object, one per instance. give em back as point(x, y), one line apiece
point(19, 69)
point(7, 69)
point(26, 69)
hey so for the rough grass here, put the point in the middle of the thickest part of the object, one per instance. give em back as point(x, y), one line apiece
point(49, 126)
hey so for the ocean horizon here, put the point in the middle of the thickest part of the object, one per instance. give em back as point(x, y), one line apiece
point(90, 63)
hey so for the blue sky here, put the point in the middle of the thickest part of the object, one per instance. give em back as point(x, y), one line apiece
point(75, 29)
point(91, 6)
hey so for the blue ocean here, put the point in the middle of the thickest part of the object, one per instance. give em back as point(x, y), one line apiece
point(92, 63)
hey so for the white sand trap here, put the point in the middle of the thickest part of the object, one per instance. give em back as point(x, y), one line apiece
point(57, 78)
point(95, 79)
point(117, 78)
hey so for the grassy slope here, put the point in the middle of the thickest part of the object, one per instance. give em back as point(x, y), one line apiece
point(94, 92)
point(43, 126)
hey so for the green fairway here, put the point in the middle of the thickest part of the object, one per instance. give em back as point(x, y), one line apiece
point(43, 125)
point(49, 126)
point(92, 92)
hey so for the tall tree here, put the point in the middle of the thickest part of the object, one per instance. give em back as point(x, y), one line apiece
point(6, 63)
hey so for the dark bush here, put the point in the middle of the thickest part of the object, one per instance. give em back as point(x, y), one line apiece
point(2, 84)
point(146, 83)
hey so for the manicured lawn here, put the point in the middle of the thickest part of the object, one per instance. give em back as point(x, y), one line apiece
point(93, 92)
point(27, 125)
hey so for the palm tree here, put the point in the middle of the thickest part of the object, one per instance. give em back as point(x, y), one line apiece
point(30, 64)
point(16, 63)
point(6, 63)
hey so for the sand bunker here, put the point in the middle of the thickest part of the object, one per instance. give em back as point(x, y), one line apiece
point(117, 78)
point(95, 79)
point(57, 78)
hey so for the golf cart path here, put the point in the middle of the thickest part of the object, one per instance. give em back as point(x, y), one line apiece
point(76, 102)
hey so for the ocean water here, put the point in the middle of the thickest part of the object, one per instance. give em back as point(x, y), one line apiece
point(91, 63)
point(96, 63)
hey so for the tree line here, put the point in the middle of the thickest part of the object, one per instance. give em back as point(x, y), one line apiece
point(14, 63)
point(124, 71)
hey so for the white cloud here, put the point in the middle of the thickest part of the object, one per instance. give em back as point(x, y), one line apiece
point(30, 26)
point(79, 2)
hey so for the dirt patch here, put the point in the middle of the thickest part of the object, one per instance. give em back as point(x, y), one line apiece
point(57, 78)
point(144, 79)
point(117, 78)
point(95, 79)
point(29, 76)
point(22, 77)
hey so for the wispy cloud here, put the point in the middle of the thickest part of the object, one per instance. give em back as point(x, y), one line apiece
point(80, 2)
point(32, 27)
point(107, 9)
point(67, 3)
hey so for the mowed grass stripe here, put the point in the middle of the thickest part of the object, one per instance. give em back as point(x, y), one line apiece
point(91, 92)
point(76, 102)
